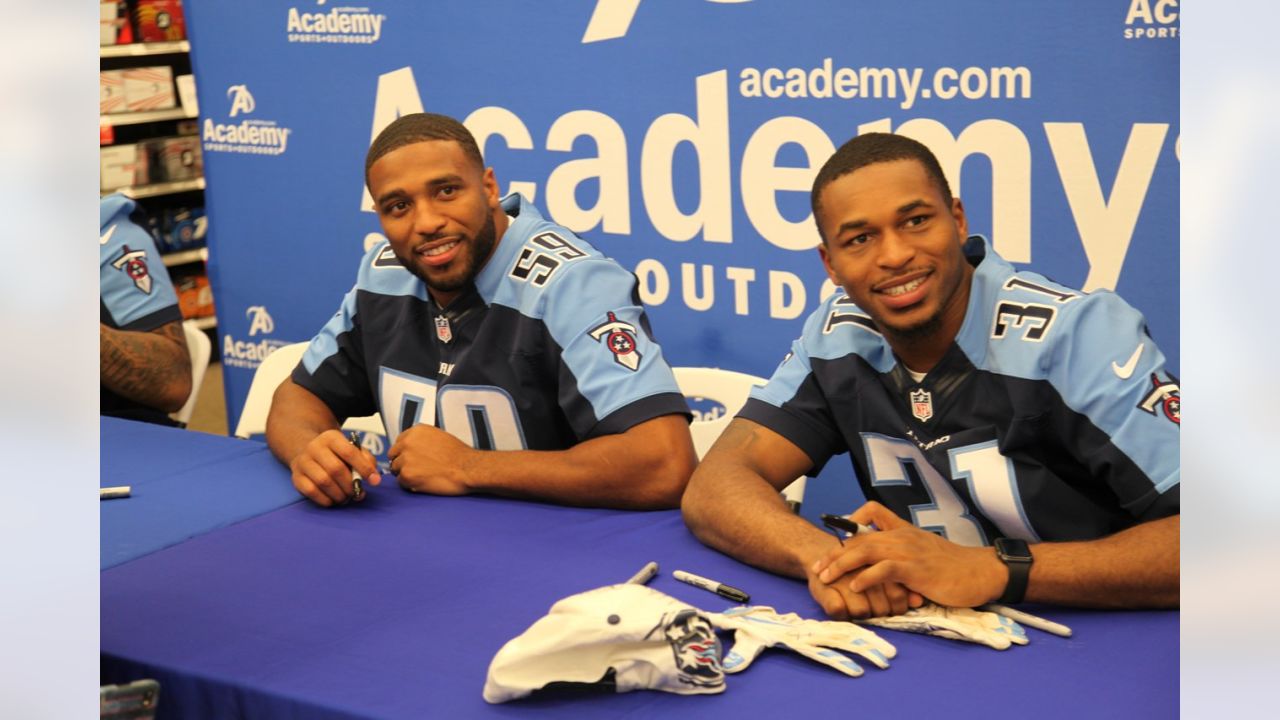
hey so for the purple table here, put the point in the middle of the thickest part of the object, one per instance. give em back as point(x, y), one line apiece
point(394, 609)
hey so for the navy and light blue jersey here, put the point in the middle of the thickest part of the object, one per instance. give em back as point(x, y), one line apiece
point(1051, 416)
point(548, 347)
point(134, 289)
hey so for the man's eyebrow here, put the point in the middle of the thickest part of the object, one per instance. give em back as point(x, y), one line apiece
point(851, 225)
point(450, 178)
point(433, 182)
point(914, 205)
point(388, 195)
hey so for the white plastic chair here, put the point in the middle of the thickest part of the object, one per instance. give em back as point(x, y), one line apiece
point(199, 347)
point(274, 369)
point(730, 389)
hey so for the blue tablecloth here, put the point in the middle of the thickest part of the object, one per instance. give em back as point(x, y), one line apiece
point(183, 484)
point(395, 607)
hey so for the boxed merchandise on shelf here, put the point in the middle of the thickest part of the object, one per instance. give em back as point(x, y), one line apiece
point(187, 228)
point(159, 20)
point(173, 159)
point(122, 166)
point(114, 27)
point(179, 228)
point(111, 98)
point(195, 297)
point(149, 88)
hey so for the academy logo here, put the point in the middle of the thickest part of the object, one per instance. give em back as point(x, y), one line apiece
point(620, 338)
point(134, 264)
point(922, 404)
point(254, 136)
point(612, 18)
point(1151, 20)
point(1164, 394)
point(250, 353)
point(705, 409)
point(342, 25)
point(241, 100)
point(260, 321)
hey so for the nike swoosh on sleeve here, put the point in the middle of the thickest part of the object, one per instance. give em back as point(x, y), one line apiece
point(106, 236)
point(1125, 371)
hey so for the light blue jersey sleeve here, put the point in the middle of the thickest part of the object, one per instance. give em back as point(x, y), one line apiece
point(609, 358)
point(133, 283)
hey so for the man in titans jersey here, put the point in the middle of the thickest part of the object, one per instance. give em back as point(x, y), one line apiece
point(504, 353)
point(981, 407)
point(144, 366)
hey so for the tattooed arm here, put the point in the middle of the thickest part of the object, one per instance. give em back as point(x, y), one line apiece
point(152, 368)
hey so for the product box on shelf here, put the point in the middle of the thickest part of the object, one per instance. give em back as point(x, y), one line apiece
point(159, 20)
point(180, 228)
point(122, 166)
point(195, 297)
point(189, 228)
point(176, 159)
point(149, 88)
point(111, 98)
point(114, 27)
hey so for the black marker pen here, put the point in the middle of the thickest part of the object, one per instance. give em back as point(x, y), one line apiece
point(727, 592)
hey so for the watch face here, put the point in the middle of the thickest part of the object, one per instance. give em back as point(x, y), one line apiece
point(1013, 550)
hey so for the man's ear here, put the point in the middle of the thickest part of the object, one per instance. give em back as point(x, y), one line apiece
point(490, 184)
point(962, 224)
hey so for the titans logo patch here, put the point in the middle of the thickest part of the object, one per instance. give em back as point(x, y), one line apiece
point(134, 264)
point(620, 338)
point(1165, 396)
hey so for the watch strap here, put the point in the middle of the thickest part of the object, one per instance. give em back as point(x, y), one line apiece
point(1016, 556)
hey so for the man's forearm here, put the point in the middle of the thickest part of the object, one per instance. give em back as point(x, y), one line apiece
point(296, 417)
point(743, 516)
point(1138, 567)
point(646, 467)
point(152, 368)
point(733, 504)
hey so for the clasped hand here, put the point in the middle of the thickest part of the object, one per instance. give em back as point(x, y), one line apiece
point(903, 559)
point(426, 459)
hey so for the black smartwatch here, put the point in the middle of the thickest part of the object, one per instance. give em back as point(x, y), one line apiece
point(1017, 557)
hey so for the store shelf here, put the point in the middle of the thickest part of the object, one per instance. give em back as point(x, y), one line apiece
point(141, 49)
point(183, 257)
point(205, 323)
point(138, 192)
point(135, 118)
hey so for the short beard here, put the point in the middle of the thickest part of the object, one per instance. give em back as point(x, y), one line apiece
point(481, 245)
point(914, 333)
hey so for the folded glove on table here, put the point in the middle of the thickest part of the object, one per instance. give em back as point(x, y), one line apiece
point(975, 626)
point(758, 627)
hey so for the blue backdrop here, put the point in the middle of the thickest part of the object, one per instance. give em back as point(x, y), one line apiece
point(681, 138)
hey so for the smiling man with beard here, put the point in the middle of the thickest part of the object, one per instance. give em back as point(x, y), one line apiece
point(505, 354)
point(1017, 439)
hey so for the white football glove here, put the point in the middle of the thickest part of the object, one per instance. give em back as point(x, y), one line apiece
point(975, 626)
point(758, 627)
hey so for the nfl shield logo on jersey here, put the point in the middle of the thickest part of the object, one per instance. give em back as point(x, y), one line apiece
point(922, 404)
point(443, 329)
